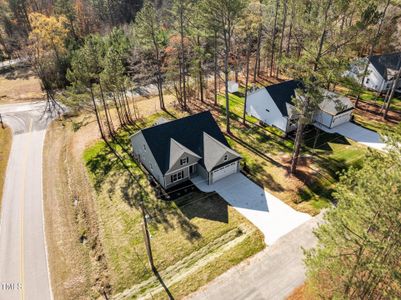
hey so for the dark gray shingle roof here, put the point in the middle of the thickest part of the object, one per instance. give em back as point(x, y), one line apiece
point(283, 92)
point(187, 131)
point(385, 62)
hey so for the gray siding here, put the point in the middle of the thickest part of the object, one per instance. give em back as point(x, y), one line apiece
point(203, 173)
point(146, 157)
point(191, 160)
point(168, 181)
point(230, 156)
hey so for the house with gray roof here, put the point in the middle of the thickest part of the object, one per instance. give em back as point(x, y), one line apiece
point(382, 70)
point(274, 105)
point(176, 151)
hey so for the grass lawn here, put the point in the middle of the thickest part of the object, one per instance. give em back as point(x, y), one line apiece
point(5, 146)
point(267, 155)
point(190, 236)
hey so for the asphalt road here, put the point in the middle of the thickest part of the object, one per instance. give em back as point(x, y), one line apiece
point(272, 274)
point(23, 255)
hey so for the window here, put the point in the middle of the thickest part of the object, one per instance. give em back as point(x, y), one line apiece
point(225, 157)
point(367, 80)
point(267, 110)
point(177, 176)
point(151, 167)
point(144, 148)
point(184, 161)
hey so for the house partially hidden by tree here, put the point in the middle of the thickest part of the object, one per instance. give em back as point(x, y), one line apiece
point(381, 72)
point(176, 151)
point(274, 105)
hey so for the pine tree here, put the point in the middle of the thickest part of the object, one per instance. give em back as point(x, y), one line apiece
point(151, 36)
point(359, 245)
point(223, 16)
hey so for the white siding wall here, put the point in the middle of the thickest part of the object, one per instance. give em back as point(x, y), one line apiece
point(331, 121)
point(261, 106)
point(341, 118)
point(374, 80)
point(323, 118)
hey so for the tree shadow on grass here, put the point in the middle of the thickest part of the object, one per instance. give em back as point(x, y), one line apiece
point(203, 205)
point(255, 170)
point(161, 213)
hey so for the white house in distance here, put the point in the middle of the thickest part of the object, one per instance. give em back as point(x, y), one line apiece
point(233, 87)
point(274, 106)
point(381, 71)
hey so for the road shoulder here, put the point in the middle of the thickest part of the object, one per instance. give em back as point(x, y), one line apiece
point(5, 147)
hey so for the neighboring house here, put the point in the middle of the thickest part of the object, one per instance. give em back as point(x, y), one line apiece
point(178, 150)
point(381, 71)
point(274, 106)
point(233, 87)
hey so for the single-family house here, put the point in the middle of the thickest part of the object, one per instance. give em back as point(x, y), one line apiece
point(233, 87)
point(273, 105)
point(176, 151)
point(381, 73)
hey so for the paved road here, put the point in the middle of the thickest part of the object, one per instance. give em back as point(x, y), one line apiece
point(271, 215)
point(272, 274)
point(23, 257)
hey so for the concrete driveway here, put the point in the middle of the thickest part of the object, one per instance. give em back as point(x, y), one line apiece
point(272, 216)
point(271, 274)
point(23, 254)
point(357, 133)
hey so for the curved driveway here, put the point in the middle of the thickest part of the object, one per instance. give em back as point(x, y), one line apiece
point(23, 254)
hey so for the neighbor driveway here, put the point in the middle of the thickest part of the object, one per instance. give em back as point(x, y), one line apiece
point(271, 274)
point(357, 133)
point(272, 216)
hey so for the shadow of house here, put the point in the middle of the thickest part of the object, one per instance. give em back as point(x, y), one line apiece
point(320, 140)
point(205, 206)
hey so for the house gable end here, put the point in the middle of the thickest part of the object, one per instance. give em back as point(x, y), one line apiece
point(215, 153)
point(178, 152)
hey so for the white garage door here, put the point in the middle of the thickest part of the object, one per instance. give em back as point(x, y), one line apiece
point(341, 119)
point(224, 171)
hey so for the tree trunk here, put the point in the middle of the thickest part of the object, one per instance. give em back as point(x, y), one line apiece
point(297, 146)
point(390, 97)
point(248, 54)
point(274, 38)
point(99, 122)
point(372, 47)
point(256, 70)
point(182, 69)
point(106, 111)
point(215, 68)
point(282, 35)
point(226, 54)
point(290, 30)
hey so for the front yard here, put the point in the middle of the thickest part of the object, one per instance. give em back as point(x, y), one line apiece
point(188, 236)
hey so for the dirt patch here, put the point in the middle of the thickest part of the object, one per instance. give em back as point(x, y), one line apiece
point(18, 86)
point(374, 112)
point(5, 147)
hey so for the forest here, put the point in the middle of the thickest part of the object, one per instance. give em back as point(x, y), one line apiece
point(93, 55)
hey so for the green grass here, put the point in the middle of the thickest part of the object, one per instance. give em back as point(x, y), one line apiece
point(177, 231)
point(5, 146)
point(263, 149)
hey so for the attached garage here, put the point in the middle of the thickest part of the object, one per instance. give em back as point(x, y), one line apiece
point(224, 171)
